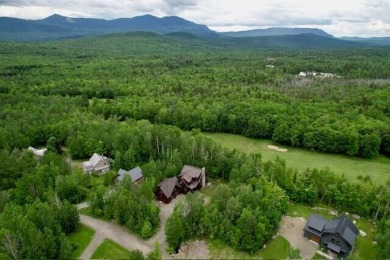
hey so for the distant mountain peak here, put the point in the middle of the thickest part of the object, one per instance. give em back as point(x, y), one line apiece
point(55, 16)
point(57, 19)
point(147, 15)
point(277, 31)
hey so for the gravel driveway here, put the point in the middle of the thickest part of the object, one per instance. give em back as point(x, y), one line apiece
point(122, 236)
point(114, 232)
point(292, 229)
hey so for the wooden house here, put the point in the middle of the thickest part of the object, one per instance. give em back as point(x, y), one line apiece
point(192, 178)
point(168, 189)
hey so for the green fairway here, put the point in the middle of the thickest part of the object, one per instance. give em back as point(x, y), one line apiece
point(302, 159)
point(81, 236)
point(110, 250)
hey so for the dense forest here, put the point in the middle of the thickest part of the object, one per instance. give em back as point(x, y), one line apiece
point(216, 90)
point(141, 99)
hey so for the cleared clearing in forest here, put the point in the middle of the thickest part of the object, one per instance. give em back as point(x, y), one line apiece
point(301, 159)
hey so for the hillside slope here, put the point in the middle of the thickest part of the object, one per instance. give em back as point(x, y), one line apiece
point(277, 32)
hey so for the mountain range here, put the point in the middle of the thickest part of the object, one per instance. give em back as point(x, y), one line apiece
point(57, 27)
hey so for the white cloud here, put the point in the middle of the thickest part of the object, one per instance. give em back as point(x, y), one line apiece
point(359, 17)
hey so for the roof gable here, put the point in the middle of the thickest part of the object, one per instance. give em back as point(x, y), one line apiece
point(135, 174)
point(96, 158)
point(349, 236)
point(317, 222)
point(188, 172)
point(168, 185)
point(121, 172)
point(332, 226)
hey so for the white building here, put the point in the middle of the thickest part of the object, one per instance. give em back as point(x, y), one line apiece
point(98, 164)
point(37, 152)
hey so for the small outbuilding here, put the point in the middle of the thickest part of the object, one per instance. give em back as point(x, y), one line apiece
point(37, 152)
point(135, 174)
point(168, 189)
point(338, 235)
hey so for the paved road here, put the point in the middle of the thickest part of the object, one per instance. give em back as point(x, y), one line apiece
point(122, 236)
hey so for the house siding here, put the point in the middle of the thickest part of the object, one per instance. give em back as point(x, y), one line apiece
point(140, 180)
point(97, 165)
point(327, 238)
point(161, 196)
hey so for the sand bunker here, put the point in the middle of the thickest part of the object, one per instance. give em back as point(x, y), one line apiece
point(276, 148)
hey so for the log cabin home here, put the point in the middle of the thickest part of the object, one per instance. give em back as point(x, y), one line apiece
point(168, 189)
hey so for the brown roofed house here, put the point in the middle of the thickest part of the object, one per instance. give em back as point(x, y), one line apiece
point(192, 178)
point(168, 189)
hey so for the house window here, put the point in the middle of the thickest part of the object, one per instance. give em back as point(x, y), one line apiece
point(338, 243)
point(332, 241)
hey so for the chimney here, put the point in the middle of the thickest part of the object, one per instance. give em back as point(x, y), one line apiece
point(203, 177)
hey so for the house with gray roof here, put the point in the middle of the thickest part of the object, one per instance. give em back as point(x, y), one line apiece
point(97, 164)
point(338, 235)
point(136, 175)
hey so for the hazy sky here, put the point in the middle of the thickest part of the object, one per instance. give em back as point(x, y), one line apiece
point(338, 17)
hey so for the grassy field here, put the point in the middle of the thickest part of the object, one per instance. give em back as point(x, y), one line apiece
point(300, 210)
point(110, 250)
point(81, 236)
point(302, 159)
point(364, 248)
point(278, 248)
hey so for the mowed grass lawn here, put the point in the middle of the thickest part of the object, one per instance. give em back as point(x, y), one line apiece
point(110, 250)
point(278, 248)
point(81, 237)
point(301, 159)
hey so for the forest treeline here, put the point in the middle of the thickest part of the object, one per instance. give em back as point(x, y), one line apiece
point(130, 98)
point(217, 90)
